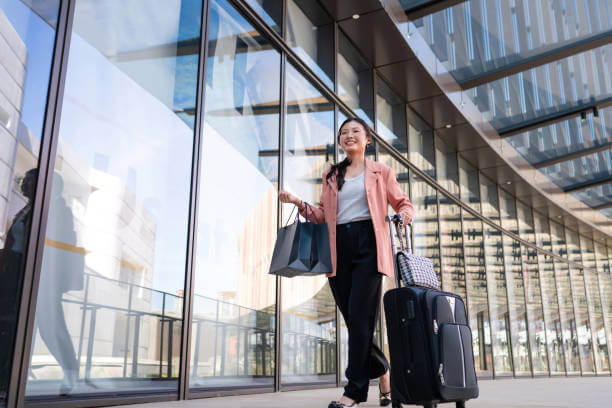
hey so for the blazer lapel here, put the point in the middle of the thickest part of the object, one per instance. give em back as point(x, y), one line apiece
point(370, 176)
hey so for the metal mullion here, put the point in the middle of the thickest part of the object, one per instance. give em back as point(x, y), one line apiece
point(35, 245)
point(525, 295)
point(374, 102)
point(281, 158)
point(572, 156)
point(193, 212)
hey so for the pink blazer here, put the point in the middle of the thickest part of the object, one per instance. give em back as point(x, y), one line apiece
point(382, 189)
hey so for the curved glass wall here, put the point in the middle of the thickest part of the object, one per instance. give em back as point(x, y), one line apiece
point(27, 36)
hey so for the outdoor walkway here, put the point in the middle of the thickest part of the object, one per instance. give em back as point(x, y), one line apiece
point(560, 392)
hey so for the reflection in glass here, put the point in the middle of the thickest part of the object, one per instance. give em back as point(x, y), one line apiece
point(583, 326)
point(515, 286)
point(110, 301)
point(310, 33)
point(605, 286)
point(27, 35)
point(421, 144)
point(496, 280)
point(566, 305)
point(451, 248)
point(550, 301)
point(355, 85)
point(533, 293)
point(475, 271)
point(234, 327)
point(308, 307)
point(600, 345)
point(447, 168)
point(390, 116)
point(425, 229)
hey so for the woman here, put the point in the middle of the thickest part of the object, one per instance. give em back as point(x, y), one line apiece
point(354, 203)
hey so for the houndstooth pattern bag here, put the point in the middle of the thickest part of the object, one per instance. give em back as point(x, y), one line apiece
point(414, 270)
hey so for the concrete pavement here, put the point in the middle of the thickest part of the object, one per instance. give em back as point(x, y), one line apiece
point(558, 392)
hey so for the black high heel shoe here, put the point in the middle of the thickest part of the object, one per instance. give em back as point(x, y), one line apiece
point(384, 398)
point(336, 404)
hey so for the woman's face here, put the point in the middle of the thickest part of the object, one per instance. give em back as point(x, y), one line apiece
point(353, 138)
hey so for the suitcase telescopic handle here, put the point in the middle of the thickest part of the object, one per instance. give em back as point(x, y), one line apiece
point(396, 220)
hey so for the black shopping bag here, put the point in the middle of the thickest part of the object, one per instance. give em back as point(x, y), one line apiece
point(293, 249)
point(321, 255)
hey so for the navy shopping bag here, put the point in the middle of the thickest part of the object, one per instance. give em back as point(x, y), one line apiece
point(301, 248)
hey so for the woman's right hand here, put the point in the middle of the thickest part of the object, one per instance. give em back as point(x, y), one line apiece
point(286, 197)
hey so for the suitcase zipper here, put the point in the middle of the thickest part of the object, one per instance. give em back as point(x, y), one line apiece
point(435, 325)
point(441, 373)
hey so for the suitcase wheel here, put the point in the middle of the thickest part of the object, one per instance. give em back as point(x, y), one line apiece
point(396, 404)
point(460, 404)
point(430, 405)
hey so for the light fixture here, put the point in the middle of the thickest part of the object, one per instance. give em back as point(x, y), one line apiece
point(558, 216)
point(583, 117)
point(408, 35)
point(595, 112)
point(355, 16)
point(508, 182)
point(448, 126)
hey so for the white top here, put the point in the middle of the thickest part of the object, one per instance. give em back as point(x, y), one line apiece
point(352, 200)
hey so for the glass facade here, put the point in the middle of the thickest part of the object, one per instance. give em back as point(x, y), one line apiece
point(162, 201)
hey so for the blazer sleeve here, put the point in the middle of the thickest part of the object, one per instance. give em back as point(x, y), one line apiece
point(398, 199)
point(316, 214)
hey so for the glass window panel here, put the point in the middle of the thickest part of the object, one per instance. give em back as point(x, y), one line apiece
point(605, 288)
point(234, 327)
point(566, 305)
point(547, 89)
point(308, 309)
point(425, 228)
point(447, 167)
point(403, 178)
point(451, 247)
point(271, 11)
point(550, 301)
point(477, 302)
point(533, 291)
point(583, 327)
point(596, 196)
point(564, 137)
point(355, 86)
point(310, 33)
point(110, 301)
point(575, 172)
point(27, 36)
point(515, 286)
point(600, 346)
point(469, 185)
point(421, 144)
point(479, 36)
point(391, 116)
point(496, 280)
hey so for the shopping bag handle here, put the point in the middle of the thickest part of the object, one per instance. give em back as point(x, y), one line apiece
point(297, 215)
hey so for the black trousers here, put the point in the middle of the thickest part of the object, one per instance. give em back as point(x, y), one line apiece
point(356, 289)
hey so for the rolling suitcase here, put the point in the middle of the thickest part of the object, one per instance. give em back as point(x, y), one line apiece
point(430, 344)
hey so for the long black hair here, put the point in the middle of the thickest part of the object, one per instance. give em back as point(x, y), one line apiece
point(340, 168)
